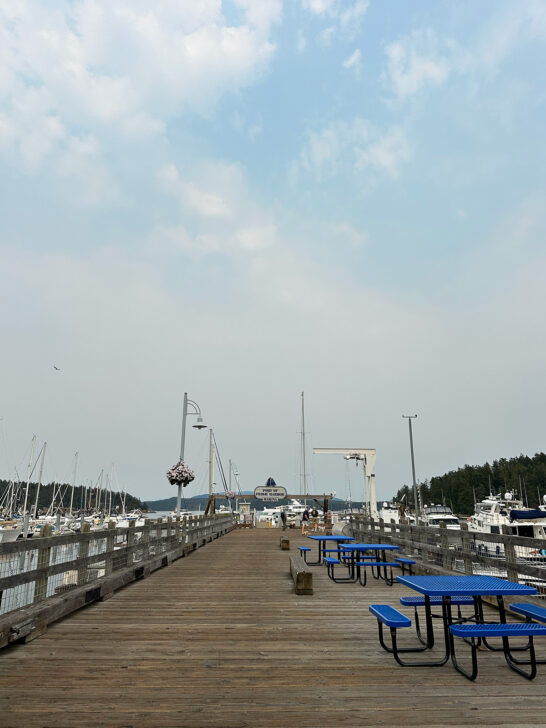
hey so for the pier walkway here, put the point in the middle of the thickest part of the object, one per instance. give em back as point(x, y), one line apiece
point(219, 639)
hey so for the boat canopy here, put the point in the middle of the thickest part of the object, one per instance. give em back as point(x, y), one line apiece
point(527, 515)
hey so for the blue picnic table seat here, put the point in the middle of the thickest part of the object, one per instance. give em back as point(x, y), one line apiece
point(376, 564)
point(531, 611)
point(420, 601)
point(416, 602)
point(393, 619)
point(390, 616)
point(476, 632)
point(405, 562)
point(303, 551)
point(331, 562)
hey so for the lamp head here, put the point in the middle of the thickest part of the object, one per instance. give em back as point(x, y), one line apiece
point(199, 425)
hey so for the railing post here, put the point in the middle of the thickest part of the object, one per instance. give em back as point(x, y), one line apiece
point(40, 588)
point(381, 530)
point(423, 540)
point(109, 557)
point(147, 539)
point(83, 552)
point(131, 543)
point(393, 531)
point(444, 541)
point(465, 546)
point(168, 544)
point(510, 556)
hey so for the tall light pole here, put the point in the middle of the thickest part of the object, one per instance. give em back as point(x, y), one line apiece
point(409, 418)
point(199, 425)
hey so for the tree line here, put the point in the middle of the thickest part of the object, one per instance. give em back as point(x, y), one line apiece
point(83, 497)
point(460, 488)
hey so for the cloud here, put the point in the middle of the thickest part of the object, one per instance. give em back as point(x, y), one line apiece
point(387, 154)
point(118, 71)
point(344, 18)
point(216, 211)
point(417, 60)
point(354, 146)
point(423, 59)
point(222, 334)
point(319, 7)
point(354, 60)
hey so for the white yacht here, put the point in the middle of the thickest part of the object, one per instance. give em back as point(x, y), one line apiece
point(10, 531)
point(435, 515)
point(293, 511)
point(496, 511)
point(393, 512)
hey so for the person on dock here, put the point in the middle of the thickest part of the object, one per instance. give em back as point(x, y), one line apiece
point(314, 514)
point(283, 519)
point(305, 521)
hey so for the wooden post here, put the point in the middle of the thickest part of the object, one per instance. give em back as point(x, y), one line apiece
point(444, 541)
point(465, 545)
point(146, 539)
point(510, 556)
point(381, 531)
point(131, 543)
point(394, 533)
point(109, 557)
point(168, 544)
point(83, 553)
point(40, 588)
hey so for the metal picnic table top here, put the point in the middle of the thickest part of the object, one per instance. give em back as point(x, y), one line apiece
point(464, 585)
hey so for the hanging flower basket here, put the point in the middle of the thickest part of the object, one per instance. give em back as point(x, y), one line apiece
point(180, 474)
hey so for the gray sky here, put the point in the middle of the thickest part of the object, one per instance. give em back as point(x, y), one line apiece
point(247, 199)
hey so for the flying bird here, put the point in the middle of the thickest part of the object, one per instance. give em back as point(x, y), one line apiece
point(56, 368)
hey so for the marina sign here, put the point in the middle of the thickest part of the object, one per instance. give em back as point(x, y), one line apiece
point(270, 493)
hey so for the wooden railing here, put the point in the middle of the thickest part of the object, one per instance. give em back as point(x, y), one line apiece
point(45, 578)
point(442, 550)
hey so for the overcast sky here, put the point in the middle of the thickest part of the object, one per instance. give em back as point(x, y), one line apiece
point(247, 199)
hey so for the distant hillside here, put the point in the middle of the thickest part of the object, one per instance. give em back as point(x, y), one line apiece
point(198, 502)
point(525, 475)
point(63, 491)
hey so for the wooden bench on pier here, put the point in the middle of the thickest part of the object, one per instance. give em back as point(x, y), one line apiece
point(301, 574)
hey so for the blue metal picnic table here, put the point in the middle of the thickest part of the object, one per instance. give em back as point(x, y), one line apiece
point(464, 585)
point(358, 549)
point(321, 541)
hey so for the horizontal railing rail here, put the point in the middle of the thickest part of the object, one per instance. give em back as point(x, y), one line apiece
point(443, 550)
point(48, 576)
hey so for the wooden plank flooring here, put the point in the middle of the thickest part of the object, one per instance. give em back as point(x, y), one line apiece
point(220, 640)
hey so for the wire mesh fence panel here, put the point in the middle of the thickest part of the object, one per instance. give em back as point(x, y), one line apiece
point(505, 555)
point(32, 571)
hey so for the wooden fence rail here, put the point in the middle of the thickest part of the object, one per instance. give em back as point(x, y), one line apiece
point(46, 578)
point(442, 550)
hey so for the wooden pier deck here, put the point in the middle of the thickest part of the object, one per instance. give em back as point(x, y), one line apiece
point(219, 639)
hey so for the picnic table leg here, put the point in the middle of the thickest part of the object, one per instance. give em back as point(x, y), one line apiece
point(428, 622)
point(502, 620)
point(396, 651)
point(319, 555)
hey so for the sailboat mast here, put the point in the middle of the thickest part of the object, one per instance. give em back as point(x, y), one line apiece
point(304, 474)
point(40, 480)
point(29, 473)
point(211, 465)
point(73, 483)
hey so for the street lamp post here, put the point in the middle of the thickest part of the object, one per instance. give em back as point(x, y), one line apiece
point(199, 425)
point(409, 418)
